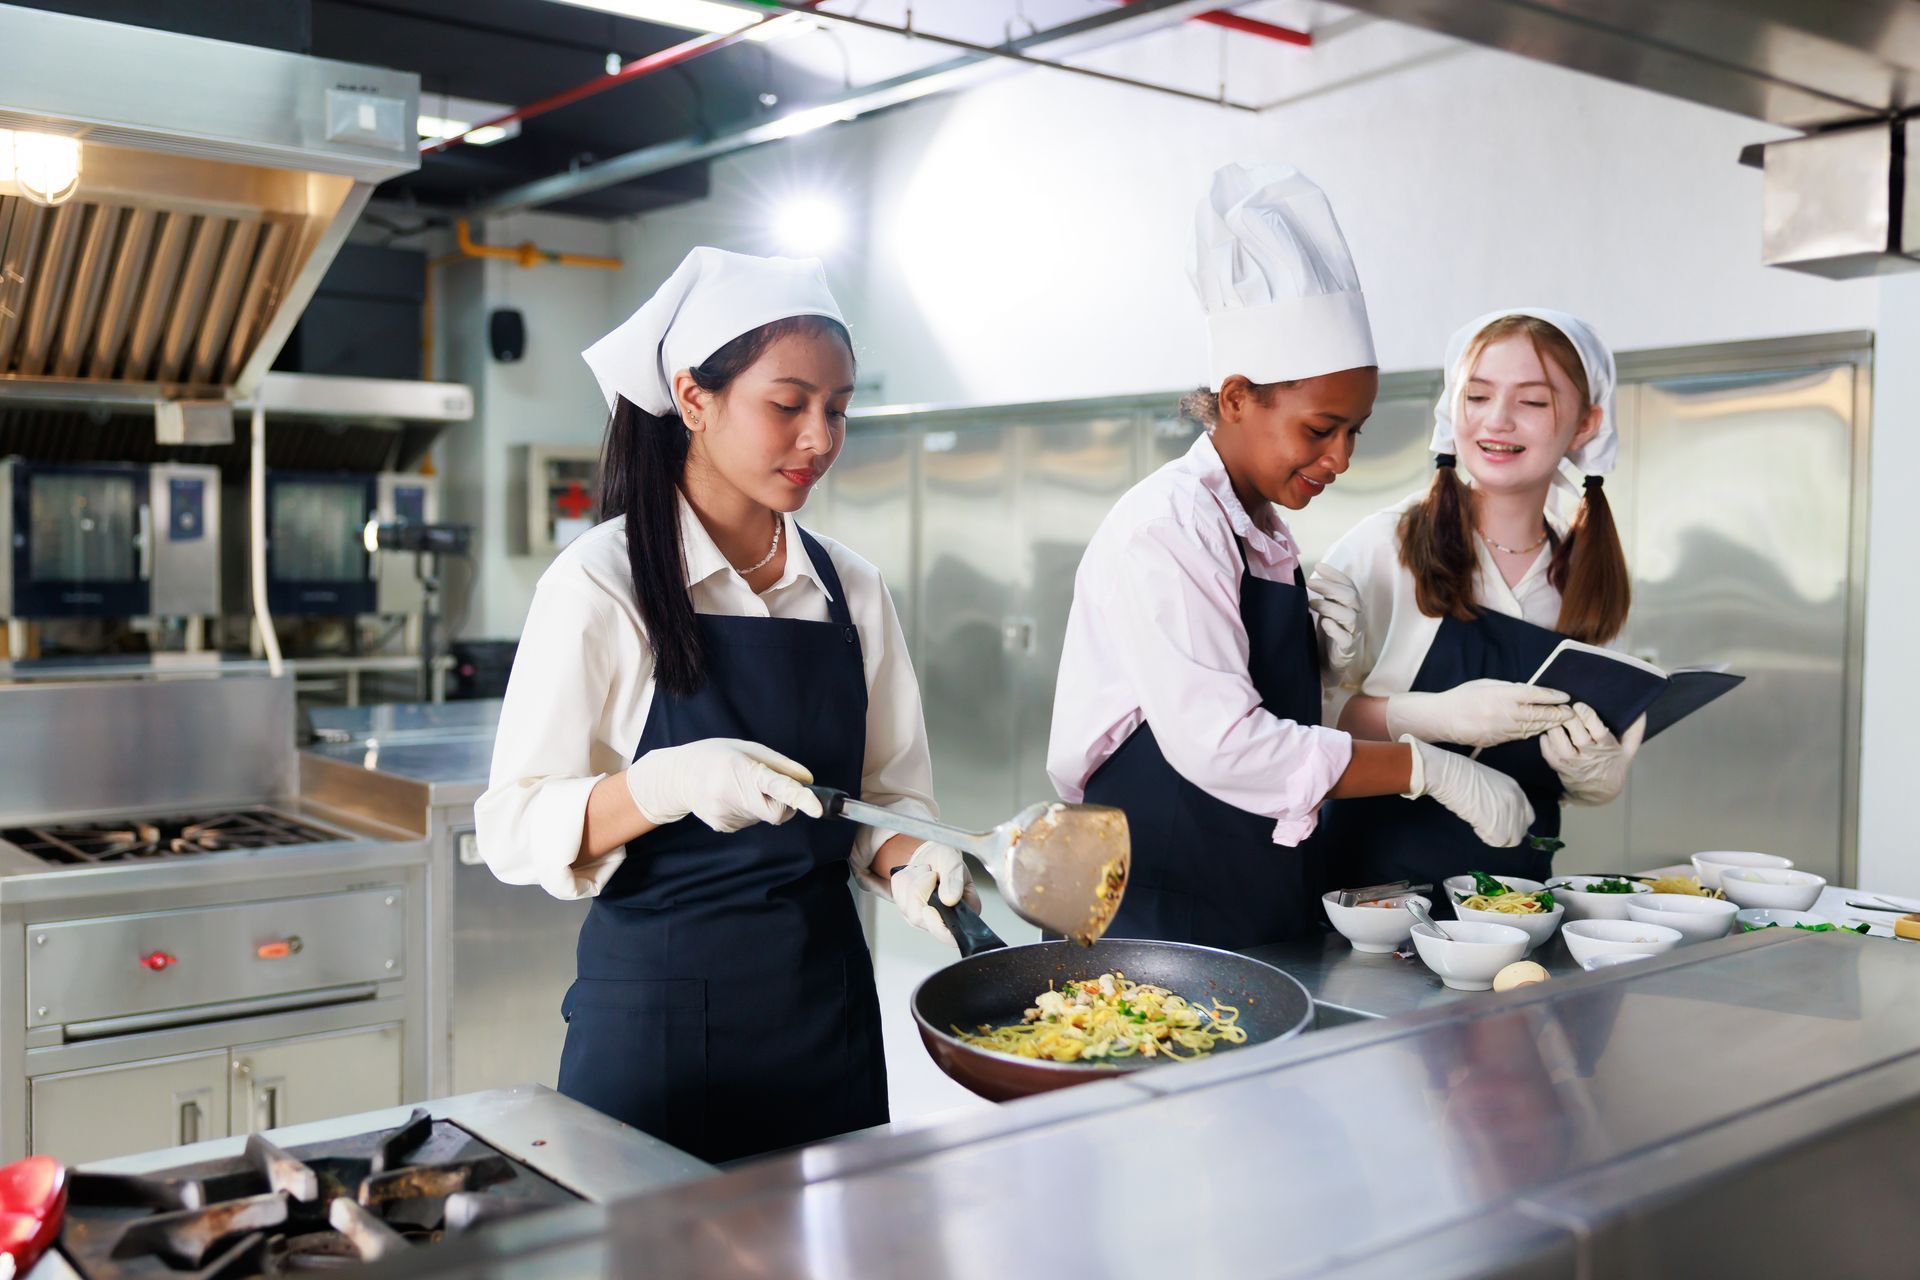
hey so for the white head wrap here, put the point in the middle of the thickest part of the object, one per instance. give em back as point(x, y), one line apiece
point(1596, 456)
point(1282, 297)
point(711, 298)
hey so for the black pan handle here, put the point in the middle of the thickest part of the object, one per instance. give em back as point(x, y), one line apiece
point(966, 926)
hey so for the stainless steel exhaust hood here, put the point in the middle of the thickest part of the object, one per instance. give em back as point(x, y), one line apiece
point(217, 183)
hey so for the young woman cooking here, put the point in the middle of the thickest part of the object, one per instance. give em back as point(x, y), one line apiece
point(687, 666)
point(1432, 613)
point(1189, 690)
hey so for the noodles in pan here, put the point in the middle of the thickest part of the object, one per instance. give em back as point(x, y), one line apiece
point(1108, 1018)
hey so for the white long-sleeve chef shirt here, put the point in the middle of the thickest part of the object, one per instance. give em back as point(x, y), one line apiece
point(582, 686)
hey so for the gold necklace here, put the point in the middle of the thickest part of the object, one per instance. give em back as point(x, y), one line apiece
point(1516, 551)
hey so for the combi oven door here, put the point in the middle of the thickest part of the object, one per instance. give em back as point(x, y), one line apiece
point(79, 540)
point(317, 558)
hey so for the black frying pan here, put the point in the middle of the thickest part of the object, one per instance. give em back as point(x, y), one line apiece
point(993, 984)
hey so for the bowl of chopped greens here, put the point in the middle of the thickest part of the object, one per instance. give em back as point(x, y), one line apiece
point(1595, 897)
point(1755, 919)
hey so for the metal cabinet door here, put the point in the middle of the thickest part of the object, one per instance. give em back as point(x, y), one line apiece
point(1743, 488)
point(315, 1078)
point(513, 959)
point(869, 507)
point(971, 584)
point(1072, 470)
point(115, 1111)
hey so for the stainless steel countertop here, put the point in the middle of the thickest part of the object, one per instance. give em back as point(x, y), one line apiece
point(1728, 1108)
point(1353, 983)
point(410, 721)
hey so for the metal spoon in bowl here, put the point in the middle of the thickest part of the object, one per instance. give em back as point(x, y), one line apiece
point(1420, 914)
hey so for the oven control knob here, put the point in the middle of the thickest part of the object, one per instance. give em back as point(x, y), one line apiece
point(158, 960)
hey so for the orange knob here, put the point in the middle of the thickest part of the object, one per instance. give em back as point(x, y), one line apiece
point(274, 950)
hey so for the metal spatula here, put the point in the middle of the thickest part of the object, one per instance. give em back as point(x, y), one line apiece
point(1062, 867)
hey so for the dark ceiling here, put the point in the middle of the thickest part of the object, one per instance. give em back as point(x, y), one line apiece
point(515, 52)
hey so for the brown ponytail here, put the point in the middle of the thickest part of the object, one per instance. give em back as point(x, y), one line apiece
point(1436, 546)
point(1590, 571)
point(1588, 567)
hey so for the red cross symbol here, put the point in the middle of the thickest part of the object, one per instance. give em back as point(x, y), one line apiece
point(573, 503)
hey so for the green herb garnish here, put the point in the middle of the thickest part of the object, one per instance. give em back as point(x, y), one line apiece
point(1546, 844)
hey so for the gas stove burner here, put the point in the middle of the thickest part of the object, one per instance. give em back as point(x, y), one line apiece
point(319, 1207)
point(147, 839)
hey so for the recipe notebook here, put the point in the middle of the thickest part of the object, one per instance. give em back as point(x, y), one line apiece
point(1622, 688)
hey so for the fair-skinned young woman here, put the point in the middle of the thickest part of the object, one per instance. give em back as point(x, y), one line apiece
point(687, 666)
point(1189, 690)
point(1434, 613)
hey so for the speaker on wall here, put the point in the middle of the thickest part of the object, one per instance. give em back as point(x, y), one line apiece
point(507, 334)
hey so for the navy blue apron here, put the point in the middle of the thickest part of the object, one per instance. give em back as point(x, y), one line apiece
point(1204, 871)
point(725, 1000)
point(1383, 838)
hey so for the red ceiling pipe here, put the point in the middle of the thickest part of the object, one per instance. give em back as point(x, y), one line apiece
point(1252, 26)
point(639, 67)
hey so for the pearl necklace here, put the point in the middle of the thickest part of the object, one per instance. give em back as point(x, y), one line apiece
point(772, 551)
point(1516, 551)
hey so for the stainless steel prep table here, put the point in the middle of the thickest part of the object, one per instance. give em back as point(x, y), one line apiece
point(501, 956)
point(1739, 1107)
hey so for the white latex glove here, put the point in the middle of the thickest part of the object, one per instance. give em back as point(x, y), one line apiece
point(1479, 713)
point(1485, 799)
point(725, 782)
point(932, 866)
point(1591, 762)
point(1334, 601)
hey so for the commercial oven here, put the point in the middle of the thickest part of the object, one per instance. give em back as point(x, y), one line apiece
point(108, 540)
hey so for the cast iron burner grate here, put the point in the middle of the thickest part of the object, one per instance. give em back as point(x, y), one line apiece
point(142, 839)
point(318, 1207)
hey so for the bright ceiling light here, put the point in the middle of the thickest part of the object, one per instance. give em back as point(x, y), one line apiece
point(691, 15)
point(45, 168)
point(445, 116)
point(809, 225)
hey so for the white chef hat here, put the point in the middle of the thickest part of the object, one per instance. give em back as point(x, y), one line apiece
point(1596, 456)
point(1282, 298)
point(711, 298)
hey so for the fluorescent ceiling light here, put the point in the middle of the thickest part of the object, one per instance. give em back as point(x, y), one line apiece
point(691, 15)
point(809, 224)
point(445, 116)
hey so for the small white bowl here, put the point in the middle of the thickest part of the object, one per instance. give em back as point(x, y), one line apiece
point(1708, 866)
point(1589, 938)
point(1608, 959)
point(1697, 919)
point(1783, 890)
point(1462, 886)
point(1761, 917)
point(1537, 928)
point(1375, 929)
point(1592, 906)
point(1475, 953)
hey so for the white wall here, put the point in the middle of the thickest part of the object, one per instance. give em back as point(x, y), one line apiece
point(546, 396)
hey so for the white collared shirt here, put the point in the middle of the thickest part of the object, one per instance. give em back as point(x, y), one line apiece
point(1155, 637)
point(1395, 635)
point(582, 686)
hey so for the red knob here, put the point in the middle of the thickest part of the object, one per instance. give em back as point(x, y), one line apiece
point(159, 960)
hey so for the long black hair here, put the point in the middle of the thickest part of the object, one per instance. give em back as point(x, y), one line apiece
point(641, 464)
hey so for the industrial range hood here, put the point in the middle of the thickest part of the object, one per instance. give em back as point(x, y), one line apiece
point(217, 182)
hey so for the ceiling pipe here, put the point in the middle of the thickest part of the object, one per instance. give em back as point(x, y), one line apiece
point(1072, 37)
point(672, 56)
point(1251, 27)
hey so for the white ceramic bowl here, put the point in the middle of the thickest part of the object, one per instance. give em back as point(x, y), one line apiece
point(1761, 917)
point(1783, 890)
point(1589, 938)
point(1697, 919)
point(1375, 929)
point(1455, 886)
point(1475, 953)
point(1537, 928)
point(1608, 959)
point(1592, 906)
point(1708, 866)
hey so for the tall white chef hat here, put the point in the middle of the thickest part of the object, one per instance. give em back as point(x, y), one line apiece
point(1282, 298)
point(711, 298)
point(1596, 456)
